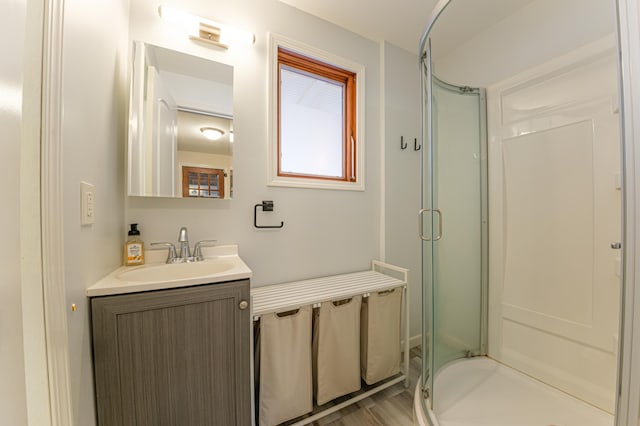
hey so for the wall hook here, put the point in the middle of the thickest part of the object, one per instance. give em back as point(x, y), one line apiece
point(403, 145)
point(267, 206)
point(416, 147)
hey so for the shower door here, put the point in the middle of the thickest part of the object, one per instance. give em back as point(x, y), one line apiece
point(453, 225)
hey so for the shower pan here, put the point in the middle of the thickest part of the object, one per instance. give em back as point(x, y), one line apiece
point(521, 201)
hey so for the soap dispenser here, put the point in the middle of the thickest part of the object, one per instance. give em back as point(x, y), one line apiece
point(134, 248)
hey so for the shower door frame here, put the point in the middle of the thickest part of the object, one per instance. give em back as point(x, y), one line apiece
point(628, 41)
point(429, 206)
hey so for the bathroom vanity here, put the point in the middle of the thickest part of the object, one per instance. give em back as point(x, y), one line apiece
point(171, 353)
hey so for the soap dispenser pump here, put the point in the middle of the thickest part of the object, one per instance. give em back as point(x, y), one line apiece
point(134, 248)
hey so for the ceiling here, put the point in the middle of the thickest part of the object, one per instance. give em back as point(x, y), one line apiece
point(194, 83)
point(401, 22)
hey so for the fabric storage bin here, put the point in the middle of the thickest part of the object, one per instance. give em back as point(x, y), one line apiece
point(380, 335)
point(336, 349)
point(285, 366)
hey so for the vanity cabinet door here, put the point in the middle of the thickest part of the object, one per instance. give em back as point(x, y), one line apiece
point(173, 357)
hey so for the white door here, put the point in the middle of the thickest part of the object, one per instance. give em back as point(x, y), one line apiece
point(164, 135)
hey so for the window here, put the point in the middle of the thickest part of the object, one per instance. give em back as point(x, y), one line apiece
point(202, 182)
point(316, 139)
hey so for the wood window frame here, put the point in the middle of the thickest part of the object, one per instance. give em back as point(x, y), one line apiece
point(354, 165)
point(186, 170)
point(344, 78)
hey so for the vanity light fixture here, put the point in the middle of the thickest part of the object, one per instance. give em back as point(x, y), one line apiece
point(206, 30)
point(211, 133)
point(231, 136)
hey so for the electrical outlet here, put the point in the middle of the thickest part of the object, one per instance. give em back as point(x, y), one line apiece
point(88, 203)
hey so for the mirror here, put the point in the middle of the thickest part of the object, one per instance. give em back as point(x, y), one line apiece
point(180, 125)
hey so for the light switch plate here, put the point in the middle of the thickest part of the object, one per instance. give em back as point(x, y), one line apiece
point(88, 203)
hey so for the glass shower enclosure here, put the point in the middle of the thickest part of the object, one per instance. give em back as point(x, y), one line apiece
point(453, 225)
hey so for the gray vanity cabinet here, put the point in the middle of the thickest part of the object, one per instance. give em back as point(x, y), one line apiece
point(173, 357)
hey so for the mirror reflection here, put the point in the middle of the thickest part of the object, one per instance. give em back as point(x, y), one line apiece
point(181, 125)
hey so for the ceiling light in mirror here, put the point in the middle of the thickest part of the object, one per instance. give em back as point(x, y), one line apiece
point(211, 133)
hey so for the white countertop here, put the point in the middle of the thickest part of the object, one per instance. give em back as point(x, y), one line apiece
point(222, 263)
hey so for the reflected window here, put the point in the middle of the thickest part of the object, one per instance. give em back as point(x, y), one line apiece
point(200, 182)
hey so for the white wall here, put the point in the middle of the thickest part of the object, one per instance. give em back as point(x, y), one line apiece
point(402, 172)
point(201, 159)
point(13, 401)
point(95, 49)
point(536, 33)
point(35, 355)
point(325, 232)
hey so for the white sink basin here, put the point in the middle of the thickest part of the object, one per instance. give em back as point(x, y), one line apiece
point(176, 271)
point(221, 263)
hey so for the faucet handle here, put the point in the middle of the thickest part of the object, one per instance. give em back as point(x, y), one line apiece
point(197, 249)
point(171, 257)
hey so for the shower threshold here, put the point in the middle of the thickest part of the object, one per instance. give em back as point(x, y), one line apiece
point(481, 391)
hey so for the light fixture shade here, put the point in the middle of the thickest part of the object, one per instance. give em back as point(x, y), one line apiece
point(190, 23)
point(206, 30)
point(231, 35)
point(211, 133)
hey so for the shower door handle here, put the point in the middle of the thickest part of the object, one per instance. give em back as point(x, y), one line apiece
point(420, 225)
point(439, 224)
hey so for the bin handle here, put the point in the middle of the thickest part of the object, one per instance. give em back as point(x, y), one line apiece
point(342, 301)
point(287, 313)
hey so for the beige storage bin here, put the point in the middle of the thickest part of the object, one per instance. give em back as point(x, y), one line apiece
point(285, 366)
point(380, 335)
point(336, 349)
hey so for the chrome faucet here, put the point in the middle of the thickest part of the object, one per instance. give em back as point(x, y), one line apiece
point(185, 251)
point(183, 239)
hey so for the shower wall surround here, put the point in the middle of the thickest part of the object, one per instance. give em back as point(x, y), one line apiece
point(555, 209)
